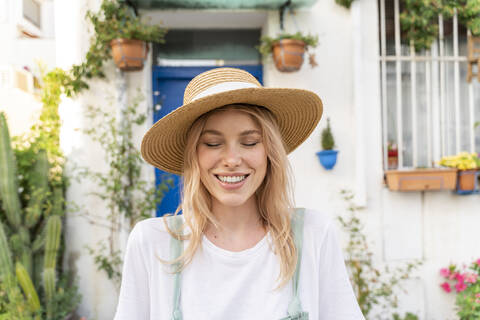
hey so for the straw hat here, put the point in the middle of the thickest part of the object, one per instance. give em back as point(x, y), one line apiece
point(297, 112)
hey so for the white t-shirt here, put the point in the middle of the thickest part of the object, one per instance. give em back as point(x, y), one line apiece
point(220, 284)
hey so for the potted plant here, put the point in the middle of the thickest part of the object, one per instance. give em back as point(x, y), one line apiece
point(288, 50)
point(467, 165)
point(122, 35)
point(465, 282)
point(421, 179)
point(328, 157)
point(392, 151)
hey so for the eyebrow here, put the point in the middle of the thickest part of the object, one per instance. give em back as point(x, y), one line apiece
point(243, 133)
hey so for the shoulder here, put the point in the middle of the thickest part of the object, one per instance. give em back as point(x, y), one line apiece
point(317, 220)
point(151, 230)
point(319, 227)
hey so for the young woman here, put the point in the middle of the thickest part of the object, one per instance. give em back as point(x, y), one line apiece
point(239, 250)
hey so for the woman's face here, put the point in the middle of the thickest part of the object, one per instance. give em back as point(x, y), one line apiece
point(232, 157)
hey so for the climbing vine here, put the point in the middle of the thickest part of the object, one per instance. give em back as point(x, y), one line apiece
point(419, 18)
point(121, 188)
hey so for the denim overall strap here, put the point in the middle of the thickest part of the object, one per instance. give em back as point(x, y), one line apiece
point(176, 250)
point(295, 307)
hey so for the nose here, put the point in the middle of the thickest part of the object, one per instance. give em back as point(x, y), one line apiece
point(232, 156)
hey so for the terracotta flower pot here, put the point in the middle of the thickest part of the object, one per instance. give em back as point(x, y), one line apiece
point(129, 54)
point(288, 54)
point(421, 179)
point(466, 180)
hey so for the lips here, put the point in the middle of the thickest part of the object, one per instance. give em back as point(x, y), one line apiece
point(232, 185)
point(231, 178)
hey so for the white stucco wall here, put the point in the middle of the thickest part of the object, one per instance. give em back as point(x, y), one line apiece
point(23, 108)
point(436, 227)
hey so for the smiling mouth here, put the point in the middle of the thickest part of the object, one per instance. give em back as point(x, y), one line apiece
point(231, 179)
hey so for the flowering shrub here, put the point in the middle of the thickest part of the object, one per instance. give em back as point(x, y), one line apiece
point(461, 161)
point(465, 282)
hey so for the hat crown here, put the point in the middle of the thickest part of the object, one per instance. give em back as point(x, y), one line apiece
point(215, 77)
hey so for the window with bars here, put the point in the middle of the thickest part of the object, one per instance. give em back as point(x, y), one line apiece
point(428, 107)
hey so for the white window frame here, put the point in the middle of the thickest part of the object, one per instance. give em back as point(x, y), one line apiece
point(24, 24)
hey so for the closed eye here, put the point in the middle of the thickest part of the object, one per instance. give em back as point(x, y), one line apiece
point(250, 144)
point(212, 144)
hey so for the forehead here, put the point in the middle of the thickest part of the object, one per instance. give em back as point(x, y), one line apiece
point(231, 120)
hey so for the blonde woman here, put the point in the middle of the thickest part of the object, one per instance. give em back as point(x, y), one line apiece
point(239, 250)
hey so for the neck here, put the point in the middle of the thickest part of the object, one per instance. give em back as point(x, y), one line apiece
point(239, 227)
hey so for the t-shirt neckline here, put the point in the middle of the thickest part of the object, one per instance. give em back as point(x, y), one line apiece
point(237, 256)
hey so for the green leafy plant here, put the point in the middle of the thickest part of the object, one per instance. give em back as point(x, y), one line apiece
point(328, 142)
point(266, 42)
point(372, 286)
point(125, 193)
point(113, 21)
point(408, 316)
point(345, 3)
point(419, 18)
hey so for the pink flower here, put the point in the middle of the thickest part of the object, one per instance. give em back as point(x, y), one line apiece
point(445, 272)
point(453, 275)
point(471, 277)
point(478, 262)
point(460, 286)
point(477, 295)
point(460, 277)
point(446, 287)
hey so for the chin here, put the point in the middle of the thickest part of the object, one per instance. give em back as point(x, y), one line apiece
point(232, 201)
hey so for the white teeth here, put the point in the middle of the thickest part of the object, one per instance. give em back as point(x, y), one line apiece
point(230, 179)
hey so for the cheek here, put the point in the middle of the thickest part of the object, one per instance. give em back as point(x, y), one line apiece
point(204, 159)
point(259, 161)
point(206, 162)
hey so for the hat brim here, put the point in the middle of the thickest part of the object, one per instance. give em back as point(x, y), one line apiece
point(297, 112)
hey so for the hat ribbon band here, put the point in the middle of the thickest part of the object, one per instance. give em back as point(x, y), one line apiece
point(223, 87)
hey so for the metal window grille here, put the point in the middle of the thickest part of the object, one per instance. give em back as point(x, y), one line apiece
point(428, 107)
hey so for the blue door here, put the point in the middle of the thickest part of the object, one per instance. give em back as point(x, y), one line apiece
point(168, 84)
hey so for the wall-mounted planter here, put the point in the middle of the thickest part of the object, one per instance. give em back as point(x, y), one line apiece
point(328, 158)
point(288, 54)
point(129, 54)
point(467, 182)
point(421, 179)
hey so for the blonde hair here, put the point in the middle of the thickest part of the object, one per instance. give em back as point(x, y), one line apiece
point(274, 196)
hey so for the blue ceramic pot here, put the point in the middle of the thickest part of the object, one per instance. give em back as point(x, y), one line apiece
point(328, 158)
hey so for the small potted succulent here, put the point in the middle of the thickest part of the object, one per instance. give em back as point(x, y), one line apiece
point(328, 156)
point(468, 165)
point(288, 50)
point(122, 35)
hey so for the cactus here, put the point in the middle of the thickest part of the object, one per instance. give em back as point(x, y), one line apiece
point(27, 287)
point(5, 258)
point(39, 190)
point(328, 142)
point(34, 232)
point(8, 177)
point(52, 243)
